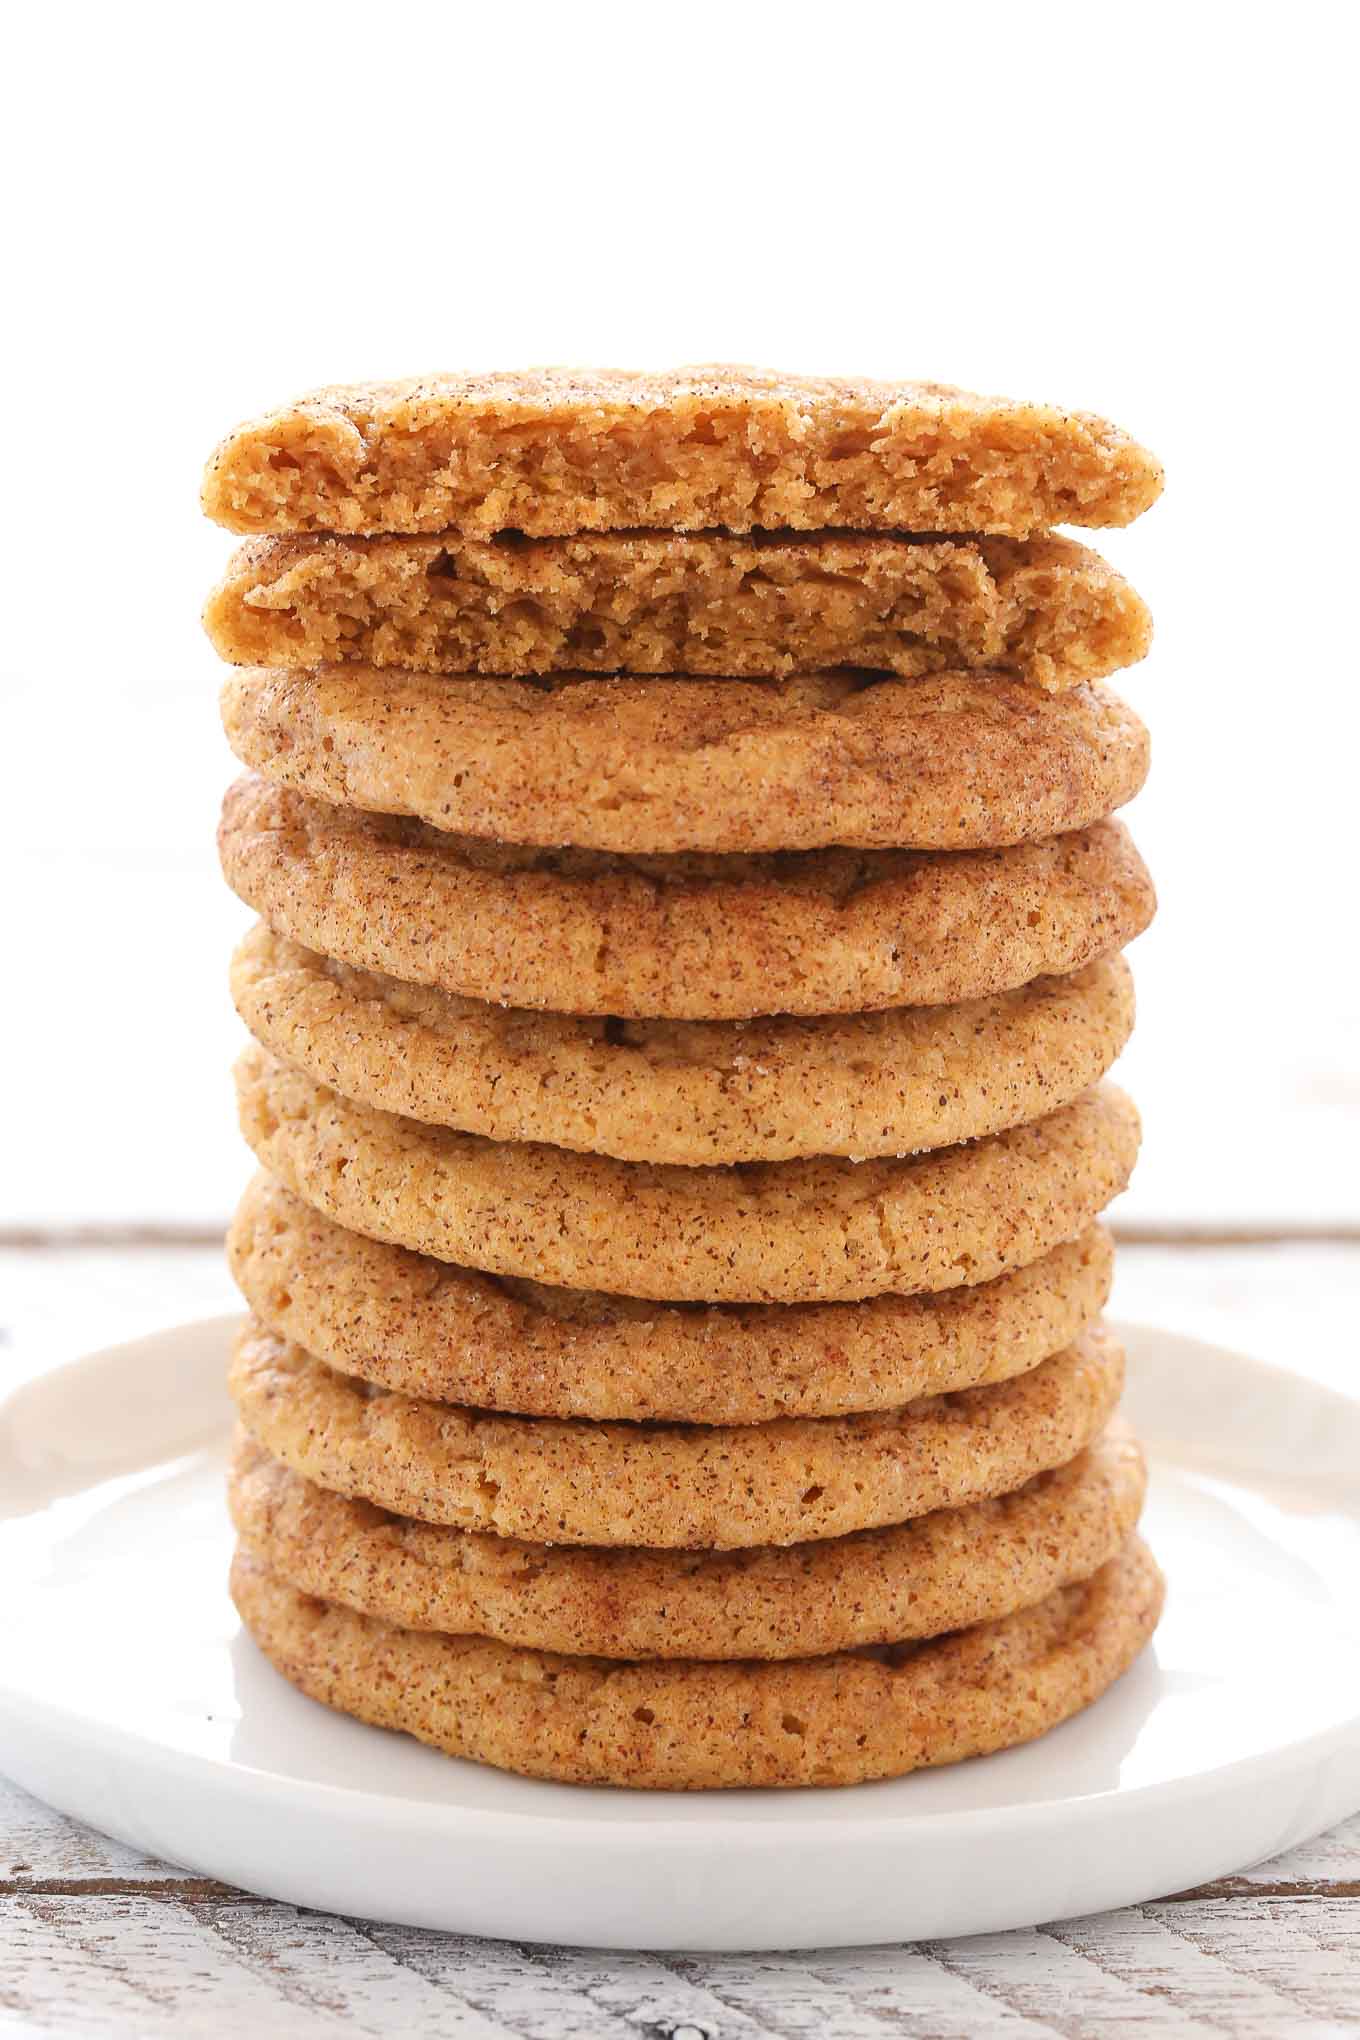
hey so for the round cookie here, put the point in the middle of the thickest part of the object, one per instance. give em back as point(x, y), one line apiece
point(1049, 610)
point(943, 1571)
point(449, 1334)
point(693, 1091)
point(815, 1231)
point(716, 1487)
point(686, 937)
point(834, 1720)
point(953, 761)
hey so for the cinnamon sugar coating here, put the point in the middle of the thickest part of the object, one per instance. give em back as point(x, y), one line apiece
point(810, 1231)
point(694, 1487)
point(954, 761)
point(426, 1328)
point(835, 1720)
point(678, 937)
point(687, 1091)
point(940, 1572)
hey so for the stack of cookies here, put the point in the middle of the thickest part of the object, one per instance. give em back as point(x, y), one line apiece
point(679, 812)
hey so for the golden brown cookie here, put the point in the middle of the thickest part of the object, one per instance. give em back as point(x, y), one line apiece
point(1046, 609)
point(943, 1571)
point(688, 937)
point(834, 1720)
point(954, 761)
point(687, 1091)
point(815, 1231)
point(715, 1487)
point(556, 450)
point(406, 1322)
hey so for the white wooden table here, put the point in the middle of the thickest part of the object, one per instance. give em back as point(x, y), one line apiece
point(97, 1940)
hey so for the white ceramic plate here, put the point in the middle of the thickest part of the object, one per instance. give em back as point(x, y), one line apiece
point(129, 1698)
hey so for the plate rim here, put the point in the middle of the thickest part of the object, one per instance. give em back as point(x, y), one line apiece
point(333, 1799)
point(718, 1876)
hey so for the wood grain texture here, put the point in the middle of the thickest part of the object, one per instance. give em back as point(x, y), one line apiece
point(97, 1940)
point(143, 1963)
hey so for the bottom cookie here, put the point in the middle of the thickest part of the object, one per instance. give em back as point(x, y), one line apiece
point(836, 1720)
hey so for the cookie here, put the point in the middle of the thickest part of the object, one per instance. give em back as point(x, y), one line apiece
point(815, 1231)
point(943, 1571)
point(450, 1334)
point(1045, 609)
point(684, 937)
point(696, 1091)
point(715, 1487)
point(836, 1720)
point(553, 451)
point(954, 761)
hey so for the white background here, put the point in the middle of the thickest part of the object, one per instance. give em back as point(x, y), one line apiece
point(1147, 212)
